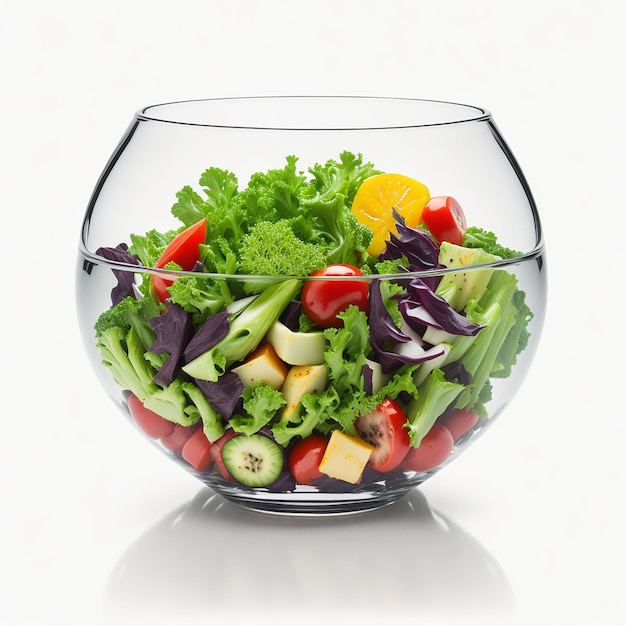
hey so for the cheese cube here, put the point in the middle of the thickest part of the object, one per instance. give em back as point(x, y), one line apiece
point(301, 379)
point(345, 457)
point(262, 366)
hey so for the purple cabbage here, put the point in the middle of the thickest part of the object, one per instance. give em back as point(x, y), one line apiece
point(173, 330)
point(456, 373)
point(125, 280)
point(291, 315)
point(225, 395)
point(383, 332)
point(421, 252)
point(368, 379)
point(421, 306)
point(214, 329)
point(285, 482)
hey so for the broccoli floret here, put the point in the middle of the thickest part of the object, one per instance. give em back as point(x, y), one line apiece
point(200, 295)
point(172, 403)
point(273, 249)
point(182, 403)
point(124, 336)
point(131, 313)
point(201, 409)
point(122, 352)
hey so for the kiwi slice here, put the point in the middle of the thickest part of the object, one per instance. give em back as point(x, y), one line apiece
point(253, 460)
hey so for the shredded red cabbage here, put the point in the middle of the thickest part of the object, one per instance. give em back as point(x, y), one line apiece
point(368, 380)
point(383, 332)
point(419, 249)
point(291, 315)
point(421, 306)
point(173, 330)
point(456, 373)
point(214, 329)
point(225, 395)
point(125, 280)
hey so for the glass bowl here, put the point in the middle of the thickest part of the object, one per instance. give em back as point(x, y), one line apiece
point(312, 304)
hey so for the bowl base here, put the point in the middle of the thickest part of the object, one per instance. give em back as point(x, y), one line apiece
point(306, 503)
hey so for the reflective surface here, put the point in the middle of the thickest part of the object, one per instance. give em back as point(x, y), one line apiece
point(305, 567)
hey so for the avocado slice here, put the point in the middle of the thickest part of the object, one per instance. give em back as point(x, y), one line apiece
point(459, 287)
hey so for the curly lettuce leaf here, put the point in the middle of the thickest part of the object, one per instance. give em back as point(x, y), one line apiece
point(260, 404)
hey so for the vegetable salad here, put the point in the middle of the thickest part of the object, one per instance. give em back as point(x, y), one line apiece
point(349, 366)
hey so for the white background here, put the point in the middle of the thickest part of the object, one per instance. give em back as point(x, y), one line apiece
point(528, 527)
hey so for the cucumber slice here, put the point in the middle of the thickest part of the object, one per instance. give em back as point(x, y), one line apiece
point(253, 460)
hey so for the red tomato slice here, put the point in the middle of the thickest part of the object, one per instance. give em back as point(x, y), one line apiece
point(385, 429)
point(461, 422)
point(305, 457)
point(182, 250)
point(148, 421)
point(434, 449)
point(445, 219)
point(216, 453)
point(323, 300)
point(178, 437)
point(197, 451)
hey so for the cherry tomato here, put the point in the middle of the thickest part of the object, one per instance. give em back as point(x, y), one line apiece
point(197, 451)
point(445, 219)
point(322, 300)
point(216, 453)
point(148, 421)
point(178, 437)
point(182, 250)
point(385, 429)
point(433, 450)
point(461, 422)
point(305, 457)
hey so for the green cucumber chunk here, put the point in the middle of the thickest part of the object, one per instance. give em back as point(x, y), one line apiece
point(253, 460)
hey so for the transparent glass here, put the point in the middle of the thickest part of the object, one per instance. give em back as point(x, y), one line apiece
point(454, 149)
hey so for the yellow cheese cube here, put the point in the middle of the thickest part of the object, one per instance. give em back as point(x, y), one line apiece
point(262, 366)
point(301, 379)
point(345, 457)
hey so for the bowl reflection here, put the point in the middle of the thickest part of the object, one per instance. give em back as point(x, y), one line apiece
point(210, 558)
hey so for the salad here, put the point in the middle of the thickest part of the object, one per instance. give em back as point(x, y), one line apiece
point(299, 347)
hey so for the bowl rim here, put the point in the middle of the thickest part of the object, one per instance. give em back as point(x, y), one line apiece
point(473, 113)
point(91, 259)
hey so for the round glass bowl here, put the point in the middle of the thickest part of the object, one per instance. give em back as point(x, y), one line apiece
point(312, 304)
